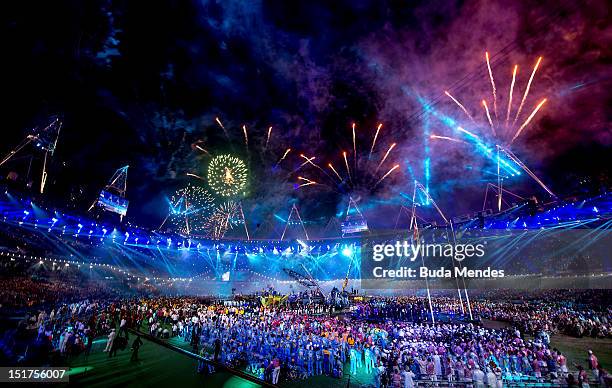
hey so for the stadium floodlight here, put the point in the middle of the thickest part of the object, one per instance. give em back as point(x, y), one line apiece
point(347, 251)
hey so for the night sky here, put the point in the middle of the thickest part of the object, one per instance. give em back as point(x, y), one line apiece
point(141, 83)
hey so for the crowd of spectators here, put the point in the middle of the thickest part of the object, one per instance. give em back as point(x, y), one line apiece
point(391, 339)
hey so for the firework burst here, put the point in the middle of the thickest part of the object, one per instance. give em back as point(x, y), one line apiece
point(189, 208)
point(505, 130)
point(362, 175)
point(226, 216)
point(227, 176)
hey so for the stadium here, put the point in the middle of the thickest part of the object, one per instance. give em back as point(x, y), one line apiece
point(367, 194)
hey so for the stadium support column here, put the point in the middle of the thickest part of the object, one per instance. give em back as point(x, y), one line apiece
point(46, 140)
point(402, 210)
point(449, 223)
point(415, 235)
point(499, 185)
point(295, 211)
point(522, 165)
point(457, 281)
point(467, 299)
point(50, 149)
point(43, 178)
point(246, 229)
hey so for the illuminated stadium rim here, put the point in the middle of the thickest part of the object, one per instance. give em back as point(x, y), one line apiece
point(62, 262)
point(28, 216)
point(163, 280)
point(23, 214)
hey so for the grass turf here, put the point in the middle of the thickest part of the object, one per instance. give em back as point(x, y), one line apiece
point(575, 349)
point(157, 366)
